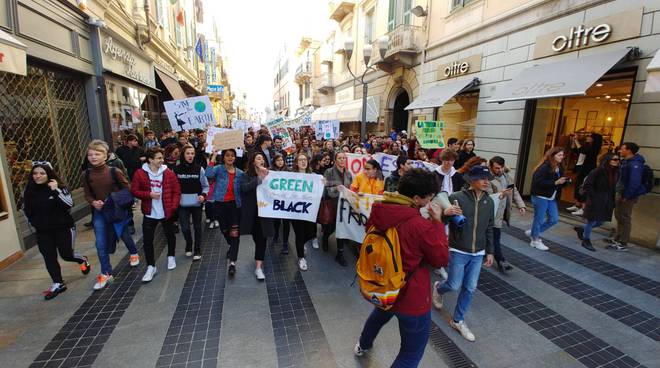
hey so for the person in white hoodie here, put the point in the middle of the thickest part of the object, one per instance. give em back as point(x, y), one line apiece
point(158, 189)
point(445, 174)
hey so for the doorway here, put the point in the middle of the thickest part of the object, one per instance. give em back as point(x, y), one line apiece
point(400, 115)
point(559, 121)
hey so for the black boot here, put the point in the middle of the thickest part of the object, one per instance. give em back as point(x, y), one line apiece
point(339, 258)
point(324, 244)
point(580, 232)
point(586, 244)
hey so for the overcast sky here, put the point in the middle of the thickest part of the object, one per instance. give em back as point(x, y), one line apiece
point(254, 31)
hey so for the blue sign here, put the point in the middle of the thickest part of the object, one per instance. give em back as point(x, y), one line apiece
point(215, 88)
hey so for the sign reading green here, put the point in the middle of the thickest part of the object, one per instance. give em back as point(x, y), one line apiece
point(430, 134)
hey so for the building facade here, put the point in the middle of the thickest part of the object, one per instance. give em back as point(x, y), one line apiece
point(523, 76)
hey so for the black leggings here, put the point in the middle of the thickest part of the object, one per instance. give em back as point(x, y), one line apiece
point(148, 231)
point(209, 209)
point(185, 213)
point(229, 216)
point(51, 242)
point(305, 231)
point(327, 231)
point(284, 224)
point(259, 240)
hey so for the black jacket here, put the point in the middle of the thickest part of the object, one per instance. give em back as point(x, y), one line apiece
point(543, 181)
point(249, 210)
point(600, 195)
point(131, 158)
point(48, 209)
point(463, 157)
point(392, 181)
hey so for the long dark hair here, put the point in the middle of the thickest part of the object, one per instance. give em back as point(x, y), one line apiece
point(376, 165)
point(275, 158)
point(309, 164)
point(251, 167)
point(549, 157)
point(52, 175)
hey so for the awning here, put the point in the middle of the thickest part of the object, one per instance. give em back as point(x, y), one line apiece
point(172, 85)
point(653, 78)
point(436, 96)
point(349, 111)
point(188, 89)
point(563, 78)
point(13, 54)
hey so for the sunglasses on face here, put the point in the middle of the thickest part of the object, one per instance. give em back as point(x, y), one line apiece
point(42, 163)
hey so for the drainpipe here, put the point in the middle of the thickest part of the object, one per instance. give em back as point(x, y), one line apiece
point(147, 12)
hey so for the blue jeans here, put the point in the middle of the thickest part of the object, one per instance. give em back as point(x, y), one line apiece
point(414, 331)
point(463, 271)
point(106, 240)
point(589, 226)
point(543, 207)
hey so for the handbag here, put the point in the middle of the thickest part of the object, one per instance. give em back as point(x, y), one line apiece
point(327, 211)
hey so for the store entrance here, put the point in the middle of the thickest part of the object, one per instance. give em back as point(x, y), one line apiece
point(400, 115)
point(557, 121)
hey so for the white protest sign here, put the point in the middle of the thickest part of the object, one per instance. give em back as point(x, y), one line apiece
point(323, 126)
point(387, 163)
point(190, 113)
point(210, 133)
point(352, 214)
point(245, 125)
point(277, 128)
point(287, 195)
point(355, 162)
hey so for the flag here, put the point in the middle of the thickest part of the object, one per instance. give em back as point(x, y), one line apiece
point(199, 49)
point(181, 18)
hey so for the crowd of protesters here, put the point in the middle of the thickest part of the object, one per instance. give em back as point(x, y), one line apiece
point(181, 187)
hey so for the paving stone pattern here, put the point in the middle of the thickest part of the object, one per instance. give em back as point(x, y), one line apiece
point(590, 350)
point(299, 337)
point(622, 275)
point(81, 339)
point(193, 337)
point(448, 350)
point(616, 308)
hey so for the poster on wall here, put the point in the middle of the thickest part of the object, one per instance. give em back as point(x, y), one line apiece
point(352, 214)
point(430, 134)
point(190, 113)
point(287, 195)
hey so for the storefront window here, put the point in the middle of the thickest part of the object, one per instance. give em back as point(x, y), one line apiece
point(460, 115)
point(603, 110)
point(132, 110)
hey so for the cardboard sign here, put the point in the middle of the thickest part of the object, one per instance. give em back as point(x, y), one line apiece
point(245, 125)
point(287, 195)
point(430, 134)
point(352, 214)
point(229, 138)
point(190, 113)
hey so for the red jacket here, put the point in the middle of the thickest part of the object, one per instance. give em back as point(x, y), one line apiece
point(423, 243)
point(171, 194)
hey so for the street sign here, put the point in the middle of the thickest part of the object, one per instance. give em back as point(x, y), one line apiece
point(215, 88)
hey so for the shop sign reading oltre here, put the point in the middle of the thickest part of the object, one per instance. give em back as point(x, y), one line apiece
point(120, 60)
point(468, 65)
point(613, 28)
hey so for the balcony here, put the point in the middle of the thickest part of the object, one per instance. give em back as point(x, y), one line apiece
point(327, 55)
point(404, 43)
point(324, 84)
point(341, 9)
point(304, 72)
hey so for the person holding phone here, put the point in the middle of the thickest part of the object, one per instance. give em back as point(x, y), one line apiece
point(502, 183)
point(547, 181)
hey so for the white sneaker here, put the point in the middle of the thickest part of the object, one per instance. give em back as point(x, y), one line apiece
point(441, 272)
point(528, 233)
point(188, 254)
point(102, 280)
point(315, 244)
point(302, 264)
point(212, 225)
point(216, 224)
point(171, 263)
point(463, 329)
point(538, 244)
point(197, 257)
point(579, 212)
point(149, 275)
point(259, 272)
point(437, 297)
point(208, 221)
point(358, 350)
point(572, 208)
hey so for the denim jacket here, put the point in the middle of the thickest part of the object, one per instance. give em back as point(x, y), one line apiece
point(221, 176)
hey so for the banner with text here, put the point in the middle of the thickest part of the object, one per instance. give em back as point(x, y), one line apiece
point(352, 214)
point(288, 195)
point(430, 134)
point(355, 163)
point(190, 113)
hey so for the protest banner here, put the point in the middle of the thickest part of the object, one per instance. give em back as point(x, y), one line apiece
point(288, 195)
point(430, 134)
point(287, 142)
point(352, 214)
point(226, 139)
point(323, 126)
point(355, 162)
point(190, 113)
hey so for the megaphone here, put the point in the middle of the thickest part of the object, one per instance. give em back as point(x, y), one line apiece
point(442, 200)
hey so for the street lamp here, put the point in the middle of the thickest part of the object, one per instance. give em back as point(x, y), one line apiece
point(366, 53)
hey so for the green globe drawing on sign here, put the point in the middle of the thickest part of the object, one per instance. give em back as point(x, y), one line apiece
point(200, 106)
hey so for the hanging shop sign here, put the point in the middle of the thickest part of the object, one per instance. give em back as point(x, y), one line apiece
point(465, 66)
point(120, 60)
point(599, 31)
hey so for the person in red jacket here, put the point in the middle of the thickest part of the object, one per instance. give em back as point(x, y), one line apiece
point(158, 189)
point(423, 244)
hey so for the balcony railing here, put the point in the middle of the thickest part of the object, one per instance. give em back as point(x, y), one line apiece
point(304, 71)
point(404, 43)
